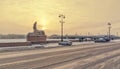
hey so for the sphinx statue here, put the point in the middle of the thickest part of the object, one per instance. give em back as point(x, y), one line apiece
point(37, 36)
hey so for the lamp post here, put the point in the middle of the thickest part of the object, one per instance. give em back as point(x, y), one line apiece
point(62, 17)
point(109, 30)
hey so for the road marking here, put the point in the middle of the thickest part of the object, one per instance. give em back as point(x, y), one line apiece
point(19, 54)
point(89, 59)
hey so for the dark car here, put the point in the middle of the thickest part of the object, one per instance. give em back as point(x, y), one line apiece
point(102, 40)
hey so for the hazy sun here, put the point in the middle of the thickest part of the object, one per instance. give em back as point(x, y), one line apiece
point(43, 22)
point(44, 28)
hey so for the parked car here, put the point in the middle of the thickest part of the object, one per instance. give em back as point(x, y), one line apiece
point(107, 39)
point(66, 42)
point(102, 40)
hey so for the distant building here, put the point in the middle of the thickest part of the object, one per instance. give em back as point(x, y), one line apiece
point(37, 36)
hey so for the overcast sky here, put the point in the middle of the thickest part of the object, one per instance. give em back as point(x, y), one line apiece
point(82, 16)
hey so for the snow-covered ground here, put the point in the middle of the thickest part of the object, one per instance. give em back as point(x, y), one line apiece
point(82, 55)
point(49, 45)
point(41, 46)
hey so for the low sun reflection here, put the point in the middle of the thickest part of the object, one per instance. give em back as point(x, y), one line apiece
point(42, 24)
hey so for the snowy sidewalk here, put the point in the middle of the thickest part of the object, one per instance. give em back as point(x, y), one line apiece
point(50, 45)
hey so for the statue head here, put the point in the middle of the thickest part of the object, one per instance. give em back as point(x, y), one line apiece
point(35, 26)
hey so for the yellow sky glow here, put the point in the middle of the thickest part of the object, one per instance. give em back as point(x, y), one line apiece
point(82, 16)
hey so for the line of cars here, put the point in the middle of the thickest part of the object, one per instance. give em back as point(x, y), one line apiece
point(97, 40)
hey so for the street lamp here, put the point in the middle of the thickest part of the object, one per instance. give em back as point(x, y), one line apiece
point(62, 17)
point(109, 30)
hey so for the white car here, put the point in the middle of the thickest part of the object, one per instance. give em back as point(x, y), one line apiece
point(67, 42)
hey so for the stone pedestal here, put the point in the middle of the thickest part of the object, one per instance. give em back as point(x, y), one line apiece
point(37, 39)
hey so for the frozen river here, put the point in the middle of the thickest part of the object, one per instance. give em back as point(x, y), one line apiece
point(24, 40)
point(12, 40)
